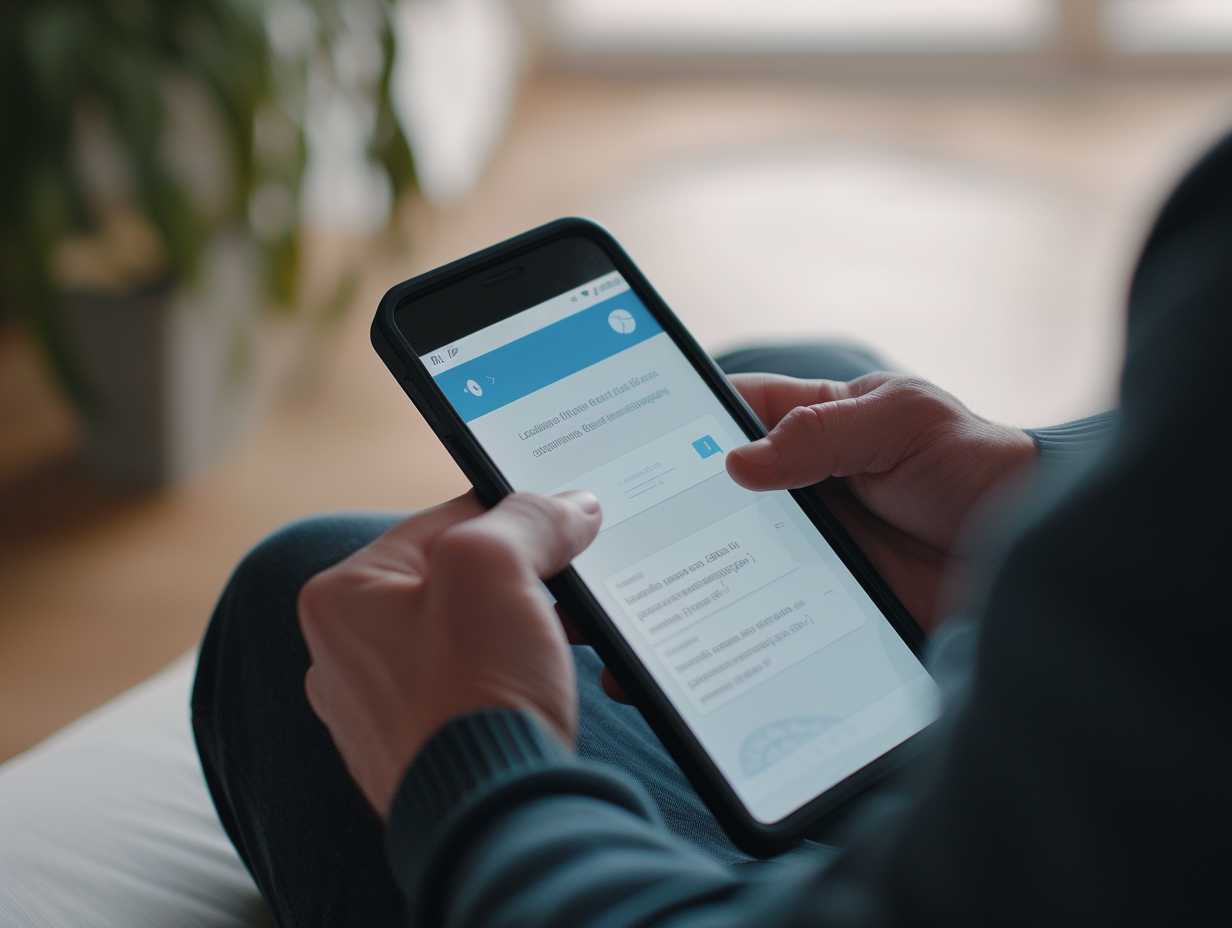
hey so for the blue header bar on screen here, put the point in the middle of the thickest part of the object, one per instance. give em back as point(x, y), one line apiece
point(532, 362)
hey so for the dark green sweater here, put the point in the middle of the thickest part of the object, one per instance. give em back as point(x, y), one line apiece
point(1082, 765)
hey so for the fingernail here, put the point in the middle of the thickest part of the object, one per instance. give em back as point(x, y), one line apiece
point(583, 499)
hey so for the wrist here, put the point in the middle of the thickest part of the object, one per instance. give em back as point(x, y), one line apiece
point(549, 698)
point(441, 714)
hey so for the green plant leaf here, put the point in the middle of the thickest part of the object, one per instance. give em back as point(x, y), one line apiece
point(61, 59)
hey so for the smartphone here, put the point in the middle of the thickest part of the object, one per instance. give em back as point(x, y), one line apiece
point(759, 644)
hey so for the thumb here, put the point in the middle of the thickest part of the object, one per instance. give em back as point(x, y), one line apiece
point(544, 533)
point(841, 437)
point(773, 396)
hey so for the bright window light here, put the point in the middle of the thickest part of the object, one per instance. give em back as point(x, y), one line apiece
point(855, 25)
point(1169, 25)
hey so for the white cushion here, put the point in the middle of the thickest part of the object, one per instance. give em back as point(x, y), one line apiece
point(108, 823)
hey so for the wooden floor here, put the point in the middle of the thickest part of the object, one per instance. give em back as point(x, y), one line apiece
point(980, 238)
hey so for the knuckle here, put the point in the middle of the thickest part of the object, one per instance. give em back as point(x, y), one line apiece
point(316, 595)
point(312, 593)
point(539, 508)
point(874, 379)
point(919, 394)
point(913, 387)
point(827, 391)
point(805, 421)
point(470, 548)
point(881, 375)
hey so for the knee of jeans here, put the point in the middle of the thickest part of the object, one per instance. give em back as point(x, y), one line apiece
point(265, 585)
point(828, 359)
point(255, 627)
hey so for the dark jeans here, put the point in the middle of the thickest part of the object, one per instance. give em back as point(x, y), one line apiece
point(311, 842)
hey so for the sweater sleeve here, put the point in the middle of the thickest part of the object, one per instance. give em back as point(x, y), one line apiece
point(471, 771)
point(496, 824)
point(1073, 442)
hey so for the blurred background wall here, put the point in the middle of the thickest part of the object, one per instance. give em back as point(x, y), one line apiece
point(207, 199)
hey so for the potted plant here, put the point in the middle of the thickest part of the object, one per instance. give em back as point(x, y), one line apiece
point(153, 164)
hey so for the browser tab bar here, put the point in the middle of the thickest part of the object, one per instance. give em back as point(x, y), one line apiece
point(469, 347)
point(494, 379)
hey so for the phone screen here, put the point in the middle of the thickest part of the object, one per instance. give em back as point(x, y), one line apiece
point(771, 651)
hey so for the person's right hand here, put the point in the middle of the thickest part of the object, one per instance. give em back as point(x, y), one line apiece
point(914, 463)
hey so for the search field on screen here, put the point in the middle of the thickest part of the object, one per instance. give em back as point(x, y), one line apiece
point(660, 469)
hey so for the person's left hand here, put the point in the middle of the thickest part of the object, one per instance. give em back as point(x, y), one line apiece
point(443, 615)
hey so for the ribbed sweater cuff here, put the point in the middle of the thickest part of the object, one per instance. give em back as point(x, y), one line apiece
point(472, 770)
point(1073, 441)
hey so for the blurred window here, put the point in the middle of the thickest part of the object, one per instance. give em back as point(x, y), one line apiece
point(1090, 30)
point(856, 25)
point(1169, 25)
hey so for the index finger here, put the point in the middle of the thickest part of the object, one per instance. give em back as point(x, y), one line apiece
point(525, 530)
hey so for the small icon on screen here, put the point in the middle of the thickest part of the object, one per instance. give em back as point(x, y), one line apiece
point(706, 447)
point(622, 321)
point(473, 388)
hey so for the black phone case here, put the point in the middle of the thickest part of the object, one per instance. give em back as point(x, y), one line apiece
point(395, 350)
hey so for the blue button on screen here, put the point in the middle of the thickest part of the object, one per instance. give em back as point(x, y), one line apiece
point(706, 446)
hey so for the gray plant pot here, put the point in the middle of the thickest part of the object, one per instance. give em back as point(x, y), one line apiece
point(168, 369)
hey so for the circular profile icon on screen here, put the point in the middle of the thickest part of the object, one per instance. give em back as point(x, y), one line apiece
point(622, 321)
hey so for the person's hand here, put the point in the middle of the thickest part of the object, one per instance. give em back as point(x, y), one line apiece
point(915, 463)
point(443, 615)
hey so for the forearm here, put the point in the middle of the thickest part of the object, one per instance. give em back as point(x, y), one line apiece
point(572, 860)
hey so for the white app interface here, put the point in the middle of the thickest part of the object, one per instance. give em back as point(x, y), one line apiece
point(766, 645)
